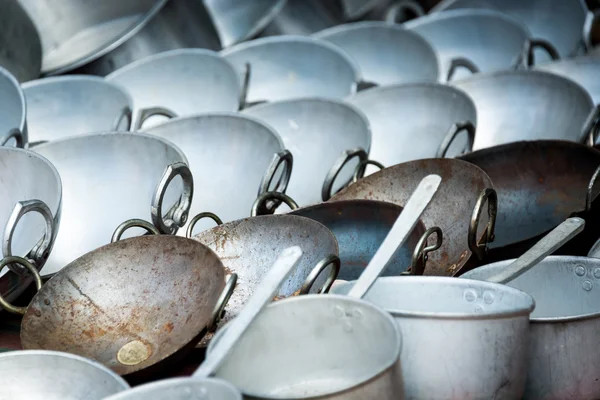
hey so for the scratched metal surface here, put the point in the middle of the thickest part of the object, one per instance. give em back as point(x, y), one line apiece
point(159, 290)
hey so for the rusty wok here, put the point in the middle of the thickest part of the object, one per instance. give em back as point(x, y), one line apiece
point(539, 184)
point(457, 207)
point(128, 305)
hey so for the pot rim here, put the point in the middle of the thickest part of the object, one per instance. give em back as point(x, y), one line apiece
point(166, 383)
point(13, 80)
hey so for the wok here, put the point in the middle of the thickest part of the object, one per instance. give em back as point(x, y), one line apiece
point(400, 56)
point(325, 136)
point(52, 375)
point(13, 122)
point(465, 186)
point(539, 184)
point(20, 42)
point(181, 389)
point(403, 123)
point(29, 185)
point(183, 82)
point(291, 67)
point(64, 106)
point(527, 105)
point(106, 35)
point(129, 305)
point(229, 154)
point(303, 17)
point(111, 177)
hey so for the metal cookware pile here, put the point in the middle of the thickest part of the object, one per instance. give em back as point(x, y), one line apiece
point(330, 199)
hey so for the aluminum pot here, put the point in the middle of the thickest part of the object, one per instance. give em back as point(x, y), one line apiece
point(402, 114)
point(400, 56)
point(326, 137)
point(539, 185)
point(290, 67)
point(466, 228)
point(303, 17)
point(182, 81)
point(111, 177)
point(13, 122)
point(64, 106)
point(231, 155)
point(562, 362)
point(29, 185)
point(103, 36)
point(513, 106)
point(333, 347)
point(53, 375)
point(181, 389)
point(240, 20)
point(20, 42)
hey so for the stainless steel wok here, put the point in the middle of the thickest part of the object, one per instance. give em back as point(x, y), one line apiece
point(181, 389)
point(64, 106)
point(13, 122)
point(112, 177)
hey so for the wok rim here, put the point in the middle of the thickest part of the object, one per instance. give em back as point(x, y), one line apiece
point(19, 88)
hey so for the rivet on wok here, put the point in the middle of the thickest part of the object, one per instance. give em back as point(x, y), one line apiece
point(478, 309)
point(133, 353)
point(488, 297)
point(338, 311)
point(587, 285)
point(597, 273)
point(47, 302)
point(470, 295)
point(37, 313)
point(358, 314)
point(580, 271)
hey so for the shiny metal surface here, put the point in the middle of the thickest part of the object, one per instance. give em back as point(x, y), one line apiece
point(13, 110)
point(64, 106)
point(360, 227)
point(228, 155)
point(526, 105)
point(239, 20)
point(343, 325)
point(317, 131)
point(130, 304)
point(20, 47)
point(103, 36)
point(462, 185)
point(184, 81)
point(561, 363)
point(409, 122)
point(491, 320)
point(290, 67)
point(181, 389)
point(52, 375)
point(248, 247)
point(400, 55)
point(107, 178)
point(303, 17)
point(490, 39)
point(25, 176)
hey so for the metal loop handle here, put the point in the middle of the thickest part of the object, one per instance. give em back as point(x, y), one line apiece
point(245, 86)
point(260, 204)
point(453, 132)
point(133, 223)
point(480, 249)
point(590, 190)
point(26, 265)
point(125, 114)
point(40, 252)
point(190, 229)
point(393, 12)
point(337, 167)
point(588, 26)
point(283, 157)
point(359, 171)
point(336, 264)
point(420, 254)
point(527, 57)
point(146, 113)
point(13, 134)
point(591, 127)
point(177, 216)
point(219, 310)
point(460, 62)
point(365, 85)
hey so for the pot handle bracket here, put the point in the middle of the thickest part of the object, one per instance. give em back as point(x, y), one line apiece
point(453, 132)
point(337, 167)
point(591, 127)
point(400, 8)
point(177, 216)
point(260, 204)
point(190, 229)
point(359, 172)
point(589, 196)
point(219, 310)
point(479, 248)
point(25, 265)
point(422, 250)
point(125, 115)
point(133, 223)
point(145, 113)
point(335, 263)
point(16, 134)
point(285, 160)
point(460, 62)
point(526, 58)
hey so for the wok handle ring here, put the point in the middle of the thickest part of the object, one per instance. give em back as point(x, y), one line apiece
point(13, 134)
point(40, 252)
point(26, 265)
point(490, 196)
point(588, 25)
point(460, 62)
point(146, 113)
point(286, 159)
point(393, 12)
point(125, 114)
point(359, 172)
point(527, 57)
point(336, 264)
point(337, 167)
point(245, 86)
point(453, 132)
point(133, 223)
point(177, 216)
point(590, 190)
point(260, 208)
point(219, 310)
point(190, 229)
point(420, 254)
point(591, 127)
